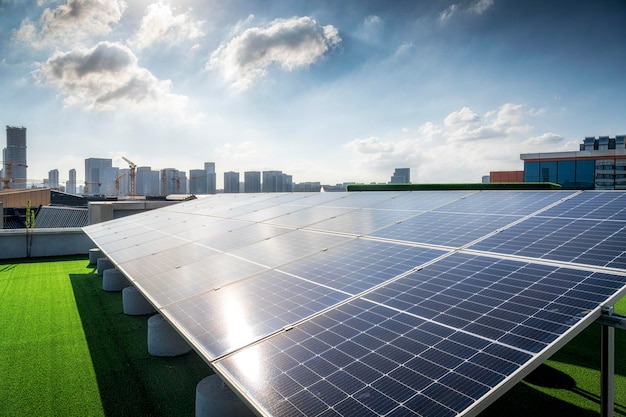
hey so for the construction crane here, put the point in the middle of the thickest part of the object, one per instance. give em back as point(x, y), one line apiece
point(86, 190)
point(7, 179)
point(133, 168)
point(117, 184)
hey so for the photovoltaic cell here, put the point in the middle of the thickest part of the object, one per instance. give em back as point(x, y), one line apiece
point(360, 264)
point(361, 221)
point(592, 205)
point(447, 229)
point(301, 374)
point(514, 202)
point(370, 303)
point(238, 314)
point(591, 242)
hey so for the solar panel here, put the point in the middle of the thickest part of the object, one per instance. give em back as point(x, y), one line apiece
point(376, 303)
point(448, 229)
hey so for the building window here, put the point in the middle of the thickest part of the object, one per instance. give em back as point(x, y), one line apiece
point(531, 171)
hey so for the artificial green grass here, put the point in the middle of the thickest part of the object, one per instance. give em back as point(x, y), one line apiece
point(67, 349)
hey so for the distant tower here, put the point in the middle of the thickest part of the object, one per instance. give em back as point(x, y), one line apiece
point(14, 157)
point(209, 167)
point(70, 186)
point(53, 179)
point(401, 176)
point(231, 182)
point(198, 182)
point(272, 181)
point(93, 166)
point(252, 182)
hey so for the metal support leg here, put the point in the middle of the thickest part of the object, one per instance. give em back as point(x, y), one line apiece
point(607, 370)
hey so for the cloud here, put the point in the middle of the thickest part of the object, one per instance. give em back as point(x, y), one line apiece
point(161, 25)
point(463, 116)
point(105, 76)
point(383, 156)
point(466, 125)
point(477, 7)
point(462, 148)
point(72, 21)
point(545, 139)
point(448, 13)
point(288, 43)
point(480, 6)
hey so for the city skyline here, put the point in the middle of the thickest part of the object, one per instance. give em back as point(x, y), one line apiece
point(327, 92)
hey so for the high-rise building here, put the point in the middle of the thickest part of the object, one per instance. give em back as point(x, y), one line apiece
point(203, 181)
point(14, 157)
point(401, 176)
point(93, 179)
point(231, 182)
point(198, 183)
point(147, 182)
point(107, 180)
point(209, 167)
point(252, 182)
point(70, 185)
point(53, 178)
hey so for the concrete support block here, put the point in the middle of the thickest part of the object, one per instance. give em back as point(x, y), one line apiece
point(214, 398)
point(134, 303)
point(94, 255)
point(114, 280)
point(103, 265)
point(163, 340)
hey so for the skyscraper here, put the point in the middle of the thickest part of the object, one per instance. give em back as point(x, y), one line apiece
point(147, 182)
point(70, 186)
point(93, 166)
point(14, 157)
point(252, 182)
point(231, 182)
point(209, 167)
point(401, 176)
point(53, 178)
point(198, 182)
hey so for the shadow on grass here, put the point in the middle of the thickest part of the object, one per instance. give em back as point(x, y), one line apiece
point(130, 381)
point(583, 351)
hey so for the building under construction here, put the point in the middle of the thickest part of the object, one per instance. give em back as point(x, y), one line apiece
point(14, 158)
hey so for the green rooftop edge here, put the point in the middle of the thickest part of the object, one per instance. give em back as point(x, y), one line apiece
point(455, 187)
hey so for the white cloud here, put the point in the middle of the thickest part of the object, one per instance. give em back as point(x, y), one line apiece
point(448, 13)
point(288, 43)
point(480, 6)
point(464, 147)
point(463, 116)
point(72, 21)
point(161, 25)
point(477, 7)
point(372, 26)
point(375, 155)
point(106, 76)
point(545, 139)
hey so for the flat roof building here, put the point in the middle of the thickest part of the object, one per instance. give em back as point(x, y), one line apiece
point(599, 164)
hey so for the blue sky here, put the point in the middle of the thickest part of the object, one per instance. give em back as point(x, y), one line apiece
point(329, 91)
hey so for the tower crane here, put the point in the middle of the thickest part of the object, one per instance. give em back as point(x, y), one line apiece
point(133, 168)
point(86, 189)
point(7, 179)
point(117, 184)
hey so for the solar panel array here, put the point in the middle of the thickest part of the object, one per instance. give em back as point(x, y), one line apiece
point(376, 303)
